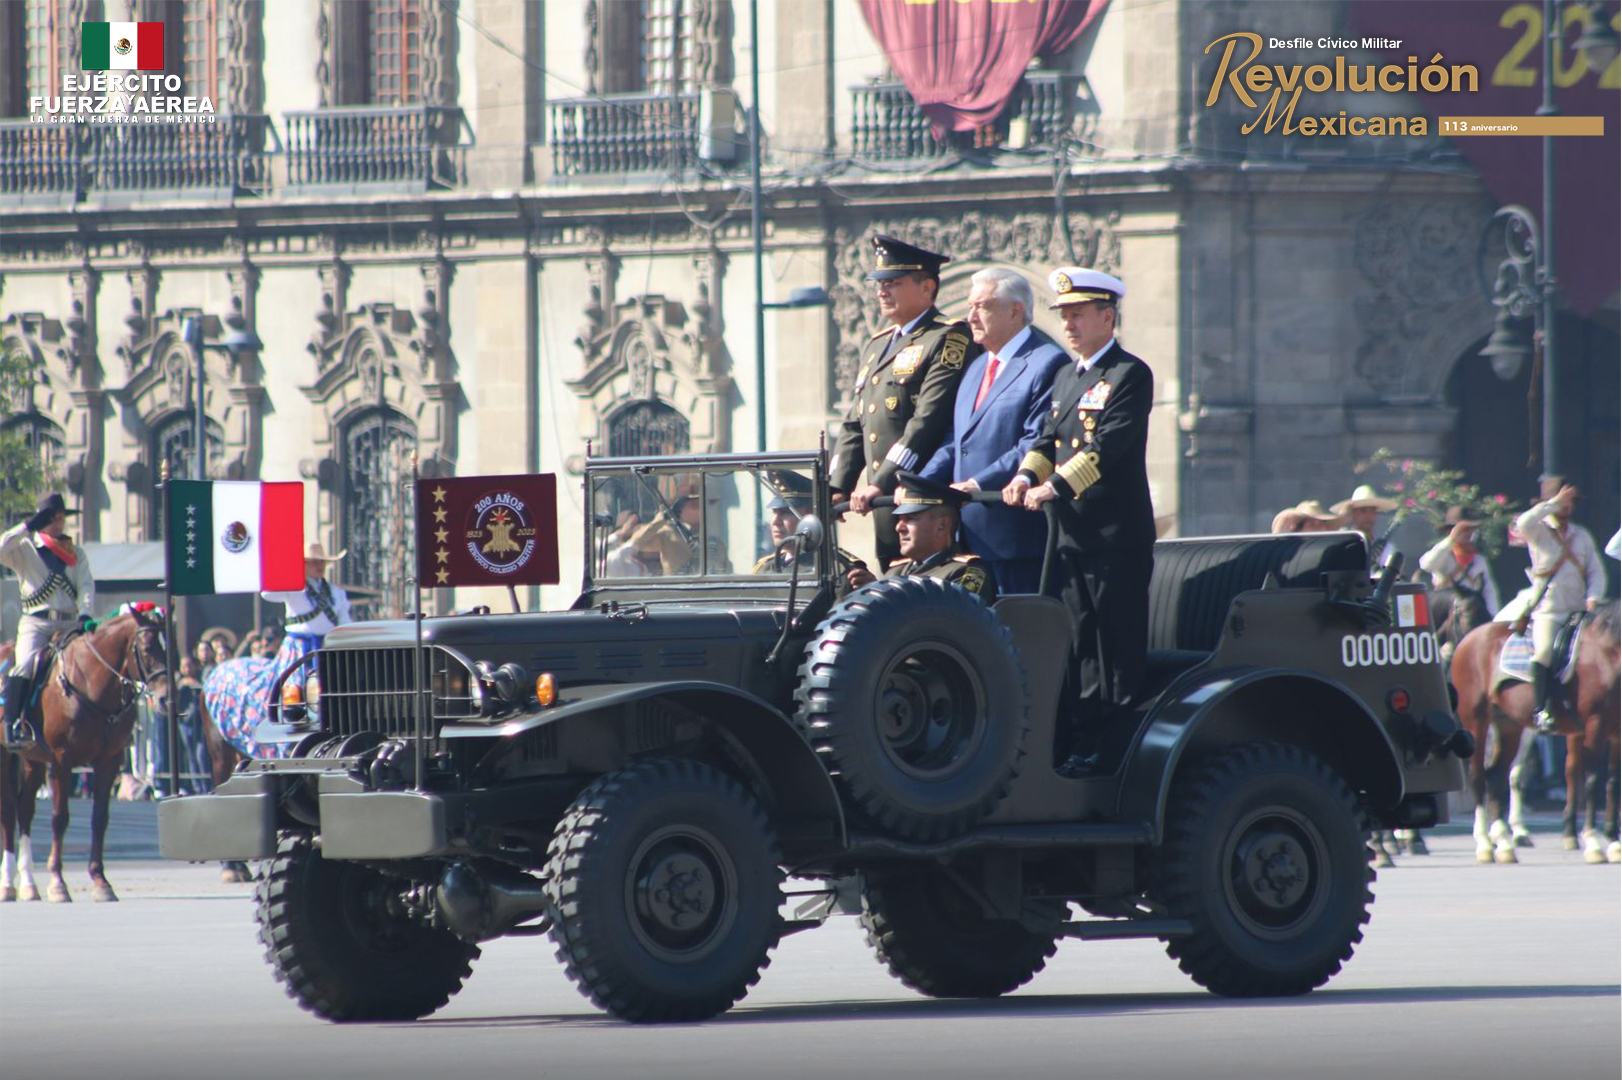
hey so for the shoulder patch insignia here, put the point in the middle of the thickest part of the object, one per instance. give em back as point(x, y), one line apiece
point(953, 351)
point(891, 403)
point(906, 361)
point(1095, 397)
point(973, 579)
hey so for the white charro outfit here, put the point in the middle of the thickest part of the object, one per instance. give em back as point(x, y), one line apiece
point(1565, 559)
point(54, 593)
point(1445, 571)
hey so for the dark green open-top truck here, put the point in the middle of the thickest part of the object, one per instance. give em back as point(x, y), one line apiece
point(640, 774)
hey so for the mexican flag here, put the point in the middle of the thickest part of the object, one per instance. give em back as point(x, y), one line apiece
point(232, 537)
point(121, 46)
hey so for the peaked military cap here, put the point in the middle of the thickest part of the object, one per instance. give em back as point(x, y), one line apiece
point(791, 490)
point(894, 258)
point(1079, 285)
point(916, 494)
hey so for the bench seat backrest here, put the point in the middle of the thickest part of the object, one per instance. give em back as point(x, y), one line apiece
point(1195, 580)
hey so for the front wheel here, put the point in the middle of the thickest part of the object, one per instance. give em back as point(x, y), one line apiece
point(337, 941)
point(1265, 855)
point(663, 886)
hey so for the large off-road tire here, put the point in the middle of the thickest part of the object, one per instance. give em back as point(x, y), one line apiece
point(663, 883)
point(911, 693)
point(340, 951)
point(1266, 855)
point(935, 938)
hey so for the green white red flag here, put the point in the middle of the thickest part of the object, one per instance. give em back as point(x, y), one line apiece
point(121, 46)
point(233, 537)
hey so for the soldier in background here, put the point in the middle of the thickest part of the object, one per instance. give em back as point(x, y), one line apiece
point(906, 386)
point(926, 518)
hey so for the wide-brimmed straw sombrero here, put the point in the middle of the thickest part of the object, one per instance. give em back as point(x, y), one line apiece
point(317, 553)
point(1364, 496)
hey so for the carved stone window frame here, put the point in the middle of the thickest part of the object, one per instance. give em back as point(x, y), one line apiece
point(65, 394)
point(341, 72)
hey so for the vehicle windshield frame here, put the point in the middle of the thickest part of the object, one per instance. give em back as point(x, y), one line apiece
point(739, 583)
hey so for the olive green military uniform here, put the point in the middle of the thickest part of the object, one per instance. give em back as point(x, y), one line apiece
point(901, 408)
point(953, 565)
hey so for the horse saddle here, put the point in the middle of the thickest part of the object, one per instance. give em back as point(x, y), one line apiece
point(1515, 659)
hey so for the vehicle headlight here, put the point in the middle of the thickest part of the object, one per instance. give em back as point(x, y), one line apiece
point(481, 701)
point(312, 695)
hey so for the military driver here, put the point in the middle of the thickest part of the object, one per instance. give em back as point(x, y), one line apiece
point(926, 514)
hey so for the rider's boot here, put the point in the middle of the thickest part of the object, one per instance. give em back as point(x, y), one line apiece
point(16, 731)
point(1542, 717)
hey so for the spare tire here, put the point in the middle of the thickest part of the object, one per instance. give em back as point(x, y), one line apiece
point(911, 693)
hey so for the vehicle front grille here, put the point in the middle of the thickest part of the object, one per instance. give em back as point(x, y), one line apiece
point(372, 690)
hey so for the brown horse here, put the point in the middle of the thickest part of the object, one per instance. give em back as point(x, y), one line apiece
point(86, 713)
point(1589, 717)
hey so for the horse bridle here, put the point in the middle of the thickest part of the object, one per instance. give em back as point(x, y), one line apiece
point(128, 689)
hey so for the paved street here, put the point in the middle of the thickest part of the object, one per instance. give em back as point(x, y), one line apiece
point(1467, 971)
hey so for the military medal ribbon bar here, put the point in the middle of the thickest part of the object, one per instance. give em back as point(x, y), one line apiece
point(487, 530)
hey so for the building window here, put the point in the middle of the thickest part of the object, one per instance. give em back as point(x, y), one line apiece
point(42, 437)
point(394, 32)
point(664, 63)
point(203, 49)
point(172, 444)
point(377, 527)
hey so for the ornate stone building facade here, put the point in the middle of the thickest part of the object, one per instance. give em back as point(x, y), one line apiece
point(486, 233)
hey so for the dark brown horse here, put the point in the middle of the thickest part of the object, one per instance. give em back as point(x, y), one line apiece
point(86, 712)
point(1589, 713)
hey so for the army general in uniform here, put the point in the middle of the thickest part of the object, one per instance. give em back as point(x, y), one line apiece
point(926, 516)
point(1090, 461)
point(906, 385)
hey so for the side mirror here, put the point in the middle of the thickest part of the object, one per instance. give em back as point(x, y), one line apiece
point(810, 531)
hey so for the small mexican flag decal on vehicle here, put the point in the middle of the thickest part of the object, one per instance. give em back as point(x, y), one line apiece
point(1412, 610)
point(121, 46)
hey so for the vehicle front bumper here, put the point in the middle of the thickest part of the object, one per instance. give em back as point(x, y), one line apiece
point(241, 820)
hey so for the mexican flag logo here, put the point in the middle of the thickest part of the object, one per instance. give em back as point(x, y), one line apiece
point(121, 46)
point(231, 536)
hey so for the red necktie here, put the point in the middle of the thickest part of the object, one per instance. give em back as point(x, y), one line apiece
point(985, 383)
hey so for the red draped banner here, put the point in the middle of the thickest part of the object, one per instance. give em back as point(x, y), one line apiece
point(962, 59)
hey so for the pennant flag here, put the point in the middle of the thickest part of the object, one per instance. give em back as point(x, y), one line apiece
point(487, 530)
point(232, 537)
point(121, 46)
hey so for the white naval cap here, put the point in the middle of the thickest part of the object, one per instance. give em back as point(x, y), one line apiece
point(1078, 285)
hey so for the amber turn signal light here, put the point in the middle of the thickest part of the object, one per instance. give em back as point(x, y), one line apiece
point(546, 688)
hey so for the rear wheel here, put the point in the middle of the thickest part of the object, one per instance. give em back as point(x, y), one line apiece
point(663, 886)
point(935, 938)
point(1266, 856)
point(340, 946)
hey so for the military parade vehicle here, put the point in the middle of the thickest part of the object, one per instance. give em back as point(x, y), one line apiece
point(722, 743)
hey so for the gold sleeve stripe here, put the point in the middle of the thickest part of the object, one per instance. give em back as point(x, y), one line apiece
point(1080, 472)
point(1037, 465)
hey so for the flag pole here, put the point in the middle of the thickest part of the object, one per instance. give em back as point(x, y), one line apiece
point(171, 664)
point(416, 578)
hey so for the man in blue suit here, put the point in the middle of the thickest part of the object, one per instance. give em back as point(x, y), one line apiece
point(1001, 404)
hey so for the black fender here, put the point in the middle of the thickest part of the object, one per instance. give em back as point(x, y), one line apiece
point(802, 789)
point(1241, 704)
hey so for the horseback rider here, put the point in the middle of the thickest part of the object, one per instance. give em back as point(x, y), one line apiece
point(1567, 578)
point(1455, 563)
point(58, 593)
point(319, 608)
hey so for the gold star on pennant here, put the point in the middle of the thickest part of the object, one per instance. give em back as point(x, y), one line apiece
point(444, 576)
point(441, 535)
point(439, 515)
point(439, 494)
point(442, 555)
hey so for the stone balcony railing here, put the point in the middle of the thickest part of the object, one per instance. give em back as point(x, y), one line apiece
point(374, 144)
point(622, 133)
point(72, 162)
point(888, 125)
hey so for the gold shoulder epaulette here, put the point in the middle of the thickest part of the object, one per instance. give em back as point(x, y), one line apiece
point(966, 557)
point(898, 562)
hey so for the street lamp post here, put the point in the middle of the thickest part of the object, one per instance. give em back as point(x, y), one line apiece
point(1525, 282)
point(237, 342)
